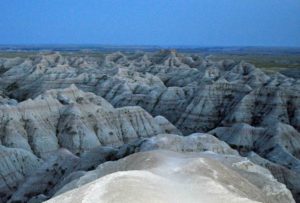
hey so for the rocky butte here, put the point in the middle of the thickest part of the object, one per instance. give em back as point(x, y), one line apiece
point(146, 127)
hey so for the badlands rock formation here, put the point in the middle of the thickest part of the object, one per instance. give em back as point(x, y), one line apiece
point(164, 176)
point(64, 114)
point(33, 132)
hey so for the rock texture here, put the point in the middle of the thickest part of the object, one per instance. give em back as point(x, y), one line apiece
point(94, 103)
point(165, 176)
point(196, 142)
point(278, 143)
point(74, 120)
point(193, 93)
point(34, 131)
point(15, 165)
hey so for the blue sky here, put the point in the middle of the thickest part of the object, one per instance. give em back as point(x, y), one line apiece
point(151, 22)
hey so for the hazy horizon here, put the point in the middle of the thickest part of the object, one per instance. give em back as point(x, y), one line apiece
point(145, 45)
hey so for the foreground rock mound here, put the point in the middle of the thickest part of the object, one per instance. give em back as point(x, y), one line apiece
point(165, 176)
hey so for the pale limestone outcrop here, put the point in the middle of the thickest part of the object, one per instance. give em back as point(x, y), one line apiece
point(73, 120)
point(168, 176)
point(33, 133)
point(196, 142)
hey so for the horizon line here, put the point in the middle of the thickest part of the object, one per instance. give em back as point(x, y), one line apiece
point(97, 45)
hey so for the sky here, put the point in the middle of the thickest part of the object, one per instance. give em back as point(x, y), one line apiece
point(151, 22)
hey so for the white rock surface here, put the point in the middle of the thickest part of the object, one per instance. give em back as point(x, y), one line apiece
point(164, 176)
point(196, 142)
